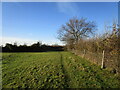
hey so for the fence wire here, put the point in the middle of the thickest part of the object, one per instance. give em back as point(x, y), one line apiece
point(110, 61)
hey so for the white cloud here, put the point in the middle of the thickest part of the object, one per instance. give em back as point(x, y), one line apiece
point(52, 42)
point(68, 8)
point(20, 41)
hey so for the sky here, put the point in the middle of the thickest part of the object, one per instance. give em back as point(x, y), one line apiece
point(29, 22)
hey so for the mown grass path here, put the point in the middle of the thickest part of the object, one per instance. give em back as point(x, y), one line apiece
point(53, 70)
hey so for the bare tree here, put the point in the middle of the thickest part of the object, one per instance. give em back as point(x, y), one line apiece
point(75, 30)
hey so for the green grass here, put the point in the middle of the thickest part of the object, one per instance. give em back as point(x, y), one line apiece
point(53, 70)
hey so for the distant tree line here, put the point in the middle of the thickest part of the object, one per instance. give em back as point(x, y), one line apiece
point(36, 47)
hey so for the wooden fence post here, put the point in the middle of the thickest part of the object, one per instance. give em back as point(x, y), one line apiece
point(103, 56)
point(84, 53)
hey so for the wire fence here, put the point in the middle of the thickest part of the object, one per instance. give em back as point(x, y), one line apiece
point(110, 61)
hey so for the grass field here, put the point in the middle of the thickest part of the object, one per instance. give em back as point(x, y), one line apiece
point(53, 70)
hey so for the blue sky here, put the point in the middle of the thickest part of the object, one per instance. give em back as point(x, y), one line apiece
point(38, 21)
